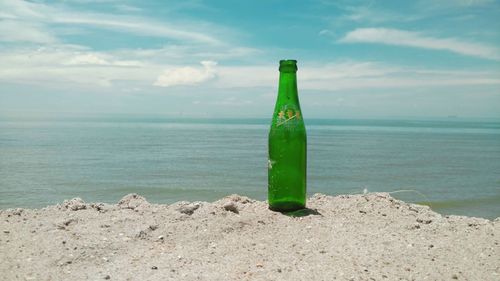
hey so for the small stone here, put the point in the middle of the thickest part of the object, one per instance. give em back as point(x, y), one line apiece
point(107, 277)
point(132, 201)
point(65, 223)
point(231, 207)
point(188, 209)
point(6, 231)
point(154, 267)
point(75, 204)
point(98, 206)
point(142, 234)
point(68, 222)
point(412, 209)
point(454, 276)
point(424, 221)
point(279, 270)
point(17, 212)
point(415, 226)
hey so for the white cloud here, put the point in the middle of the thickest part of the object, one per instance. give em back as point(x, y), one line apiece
point(414, 39)
point(5, 16)
point(325, 32)
point(60, 65)
point(22, 10)
point(73, 66)
point(19, 31)
point(450, 4)
point(137, 26)
point(36, 15)
point(187, 75)
point(473, 2)
point(127, 8)
point(182, 54)
point(57, 63)
point(86, 59)
point(247, 76)
point(352, 76)
point(370, 14)
point(96, 58)
point(369, 75)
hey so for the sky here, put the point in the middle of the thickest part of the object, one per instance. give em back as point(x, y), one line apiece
point(356, 59)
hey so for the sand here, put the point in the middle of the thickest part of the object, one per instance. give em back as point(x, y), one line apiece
point(350, 237)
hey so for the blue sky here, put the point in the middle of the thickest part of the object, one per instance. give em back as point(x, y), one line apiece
point(357, 59)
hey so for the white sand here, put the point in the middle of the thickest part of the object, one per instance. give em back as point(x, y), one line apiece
point(358, 237)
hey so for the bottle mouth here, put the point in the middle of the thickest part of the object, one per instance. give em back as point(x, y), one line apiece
point(288, 66)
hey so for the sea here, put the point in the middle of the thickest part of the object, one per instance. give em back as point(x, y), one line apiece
point(450, 164)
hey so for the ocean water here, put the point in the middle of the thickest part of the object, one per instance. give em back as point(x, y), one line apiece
point(451, 165)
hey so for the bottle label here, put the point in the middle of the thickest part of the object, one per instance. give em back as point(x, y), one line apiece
point(288, 116)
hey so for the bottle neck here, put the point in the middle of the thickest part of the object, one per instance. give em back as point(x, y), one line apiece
point(287, 89)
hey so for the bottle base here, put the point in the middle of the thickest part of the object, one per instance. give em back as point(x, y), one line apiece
point(286, 206)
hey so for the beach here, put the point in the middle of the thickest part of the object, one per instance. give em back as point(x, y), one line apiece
point(348, 237)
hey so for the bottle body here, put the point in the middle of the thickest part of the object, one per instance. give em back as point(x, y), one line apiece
point(287, 162)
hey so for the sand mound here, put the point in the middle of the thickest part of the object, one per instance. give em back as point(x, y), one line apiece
point(349, 237)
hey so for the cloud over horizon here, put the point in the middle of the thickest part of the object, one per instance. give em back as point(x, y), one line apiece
point(398, 37)
point(187, 75)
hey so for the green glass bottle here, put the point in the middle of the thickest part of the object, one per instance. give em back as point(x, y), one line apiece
point(287, 160)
